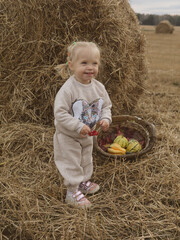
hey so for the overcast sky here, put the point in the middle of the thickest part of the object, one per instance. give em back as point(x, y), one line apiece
point(156, 6)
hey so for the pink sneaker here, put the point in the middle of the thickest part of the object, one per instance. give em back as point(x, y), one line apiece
point(78, 199)
point(88, 187)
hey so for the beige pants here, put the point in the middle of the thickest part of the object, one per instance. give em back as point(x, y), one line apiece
point(73, 158)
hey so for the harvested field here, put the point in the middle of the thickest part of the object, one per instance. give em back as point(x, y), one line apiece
point(138, 200)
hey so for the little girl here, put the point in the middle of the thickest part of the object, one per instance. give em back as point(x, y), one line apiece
point(80, 103)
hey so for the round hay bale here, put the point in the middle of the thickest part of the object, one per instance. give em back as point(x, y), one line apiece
point(35, 39)
point(164, 27)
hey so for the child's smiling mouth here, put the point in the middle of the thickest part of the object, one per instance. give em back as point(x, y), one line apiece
point(89, 73)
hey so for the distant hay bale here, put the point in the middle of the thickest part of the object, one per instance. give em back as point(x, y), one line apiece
point(164, 27)
point(35, 39)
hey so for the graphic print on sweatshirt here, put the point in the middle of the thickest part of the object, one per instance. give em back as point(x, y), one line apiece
point(87, 113)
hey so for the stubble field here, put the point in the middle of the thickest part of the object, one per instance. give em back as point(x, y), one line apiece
point(138, 200)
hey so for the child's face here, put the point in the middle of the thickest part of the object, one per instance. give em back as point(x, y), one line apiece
point(85, 66)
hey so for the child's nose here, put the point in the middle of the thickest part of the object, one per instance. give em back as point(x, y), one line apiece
point(90, 66)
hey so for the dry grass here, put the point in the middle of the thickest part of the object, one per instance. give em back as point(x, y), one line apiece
point(35, 37)
point(138, 200)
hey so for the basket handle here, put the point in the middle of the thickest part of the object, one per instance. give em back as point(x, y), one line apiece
point(153, 130)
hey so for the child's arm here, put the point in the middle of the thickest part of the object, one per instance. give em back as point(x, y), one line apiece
point(63, 117)
point(106, 117)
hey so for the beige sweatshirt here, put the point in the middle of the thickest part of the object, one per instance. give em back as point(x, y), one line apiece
point(77, 104)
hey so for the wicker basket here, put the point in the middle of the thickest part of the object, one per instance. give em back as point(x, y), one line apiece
point(143, 132)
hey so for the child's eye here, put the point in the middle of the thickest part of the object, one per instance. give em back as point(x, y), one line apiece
point(95, 63)
point(84, 63)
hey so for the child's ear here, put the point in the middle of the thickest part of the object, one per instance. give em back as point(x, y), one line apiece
point(70, 65)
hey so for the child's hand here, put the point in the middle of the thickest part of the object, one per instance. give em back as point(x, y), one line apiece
point(84, 131)
point(104, 124)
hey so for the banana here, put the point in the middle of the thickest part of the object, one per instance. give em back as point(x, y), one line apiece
point(115, 148)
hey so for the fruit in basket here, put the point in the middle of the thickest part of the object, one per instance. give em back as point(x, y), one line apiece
point(121, 140)
point(117, 152)
point(115, 148)
point(133, 146)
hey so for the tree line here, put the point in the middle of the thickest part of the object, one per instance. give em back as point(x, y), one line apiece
point(152, 19)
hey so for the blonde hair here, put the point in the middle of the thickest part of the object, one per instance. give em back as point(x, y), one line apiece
point(63, 69)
